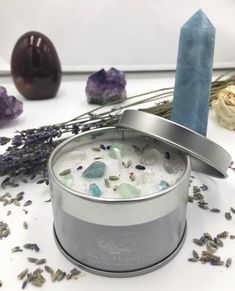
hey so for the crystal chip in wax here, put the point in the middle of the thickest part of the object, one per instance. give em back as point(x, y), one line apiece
point(95, 170)
point(95, 190)
point(128, 191)
point(163, 185)
point(150, 157)
point(119, 147)
point(169, 167)
point(68, 180)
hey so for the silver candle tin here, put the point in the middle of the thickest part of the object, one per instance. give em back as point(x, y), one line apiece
point(131, 236)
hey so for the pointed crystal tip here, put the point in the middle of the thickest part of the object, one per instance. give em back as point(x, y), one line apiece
point(199, 20)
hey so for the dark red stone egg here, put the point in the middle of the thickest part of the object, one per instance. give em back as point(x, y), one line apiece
point(35, 66)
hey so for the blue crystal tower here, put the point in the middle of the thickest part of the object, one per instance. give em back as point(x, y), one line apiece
point(194, 73)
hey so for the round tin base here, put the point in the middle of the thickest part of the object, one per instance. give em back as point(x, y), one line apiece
point(124, 273)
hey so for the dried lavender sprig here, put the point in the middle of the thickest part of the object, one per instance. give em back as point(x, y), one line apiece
point(31, 148)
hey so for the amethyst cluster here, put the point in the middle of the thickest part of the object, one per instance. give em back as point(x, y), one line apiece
point(106, 86)
point(10, 107)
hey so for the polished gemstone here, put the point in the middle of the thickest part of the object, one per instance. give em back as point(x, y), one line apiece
point(35, 66)
point(117, 147)
point(163, 185)
point(194, 73)
point(95, 190)
point(95, 170)
point(128, 191)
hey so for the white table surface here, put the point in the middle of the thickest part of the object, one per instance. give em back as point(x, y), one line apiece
point(178, 274)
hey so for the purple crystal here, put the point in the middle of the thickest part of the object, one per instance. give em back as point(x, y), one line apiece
point(106, 86)
point(10, 107)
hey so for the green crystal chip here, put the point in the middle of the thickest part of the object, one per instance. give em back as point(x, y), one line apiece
point(95, 170)
point(68, 180)
point(128, 191)
point(118, 146)
point(95, 190)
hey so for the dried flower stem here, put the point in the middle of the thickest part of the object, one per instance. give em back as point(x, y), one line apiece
point(31, 148)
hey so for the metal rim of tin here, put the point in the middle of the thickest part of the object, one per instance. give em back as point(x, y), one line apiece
point(122, 274)
point(207, 156)
point(52, 175)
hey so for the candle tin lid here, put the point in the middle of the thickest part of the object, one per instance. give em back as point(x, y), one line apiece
point(206, 156)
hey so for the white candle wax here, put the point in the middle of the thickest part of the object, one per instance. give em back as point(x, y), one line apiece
point(148, 166)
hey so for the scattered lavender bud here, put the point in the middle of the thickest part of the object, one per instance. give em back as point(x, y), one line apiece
point(217, 263)
point(41, 181)
point(192, 260)
point(25, 225)
point(106, 182)
point(190, 199)
point(32, 260)
point(198, 242)
point(49, 269)
point(24, 284)
point(41, 262)
point(31, 246)
point(22, 274)
point(113, 178)
point(218, 241)
point(228, 215)
point(65, 172)
point(16, 249)
point(167, 156)
point(195, 255)
point(27, 203)
point(4, 140)
point(61, 276)
point(215, 210)
point(204, 187)
point(228, 262)
point(223, 234)
point(75, 272)
point(102, 146)
point(140, 167)
point(56, 275)
point(232, 210)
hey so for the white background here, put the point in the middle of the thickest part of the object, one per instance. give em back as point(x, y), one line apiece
point(128, 34)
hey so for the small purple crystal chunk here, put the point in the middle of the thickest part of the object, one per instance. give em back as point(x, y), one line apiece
point(10, 107)
point(106, 86)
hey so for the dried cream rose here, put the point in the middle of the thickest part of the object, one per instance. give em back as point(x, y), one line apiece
point(224, 107)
